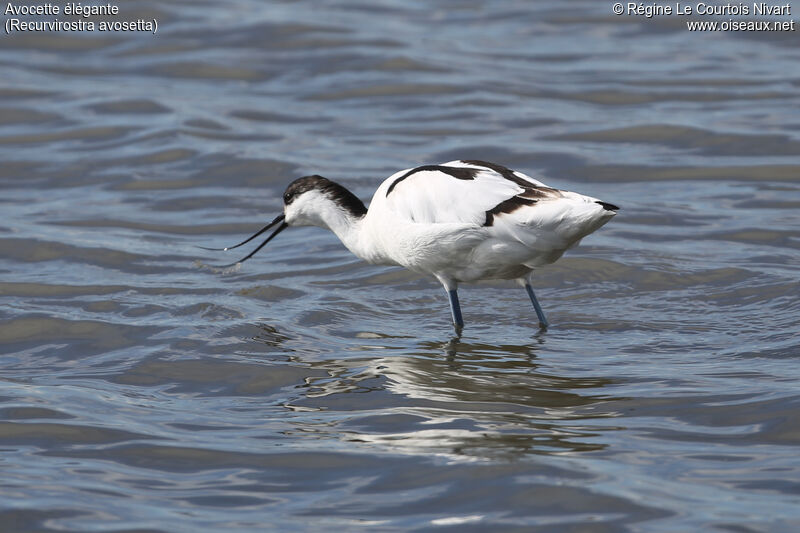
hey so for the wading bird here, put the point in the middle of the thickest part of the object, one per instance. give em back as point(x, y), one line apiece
point(460, 221)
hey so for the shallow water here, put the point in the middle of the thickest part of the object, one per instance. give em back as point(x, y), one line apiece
point(305, 390)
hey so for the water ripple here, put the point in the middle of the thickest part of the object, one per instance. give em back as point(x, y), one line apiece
point(142, 390)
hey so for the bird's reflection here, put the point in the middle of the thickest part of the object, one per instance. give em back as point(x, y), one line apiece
point(459, 397)
point(456, 344)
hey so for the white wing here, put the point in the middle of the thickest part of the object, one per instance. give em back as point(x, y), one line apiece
point(457, 191)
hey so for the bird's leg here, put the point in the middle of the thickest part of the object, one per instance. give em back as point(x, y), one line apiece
point(455, 308)
point(451, 286)
point(542, 320)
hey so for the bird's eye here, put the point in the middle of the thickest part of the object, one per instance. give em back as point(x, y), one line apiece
point(287, 198)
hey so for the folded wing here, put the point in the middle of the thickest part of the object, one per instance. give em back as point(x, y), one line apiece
point(471, 192)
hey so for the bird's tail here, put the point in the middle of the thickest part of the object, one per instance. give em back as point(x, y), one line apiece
point(585, 215)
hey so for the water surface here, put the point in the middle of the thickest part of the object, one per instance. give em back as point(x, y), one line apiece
point(306, 390)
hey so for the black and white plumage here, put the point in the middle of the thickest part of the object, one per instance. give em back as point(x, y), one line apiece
point(460, 221)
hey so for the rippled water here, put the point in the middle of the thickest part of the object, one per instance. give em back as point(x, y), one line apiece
point(308, 391)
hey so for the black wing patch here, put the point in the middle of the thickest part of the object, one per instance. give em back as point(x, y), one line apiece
point(459, 173)
point(507, 206)
point(531, 190)
point(506, 172)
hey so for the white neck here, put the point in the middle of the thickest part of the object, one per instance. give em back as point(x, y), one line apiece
point(347, 227)
point(355, 234)
point(314, 208)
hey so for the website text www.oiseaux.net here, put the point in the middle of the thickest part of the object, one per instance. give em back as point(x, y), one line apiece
point(740, 25)
point(713, 13)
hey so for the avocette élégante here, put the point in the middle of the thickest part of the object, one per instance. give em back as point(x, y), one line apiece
point(460, 221)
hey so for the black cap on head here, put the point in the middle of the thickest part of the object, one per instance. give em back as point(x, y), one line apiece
point(338, 194)
point(304, 184)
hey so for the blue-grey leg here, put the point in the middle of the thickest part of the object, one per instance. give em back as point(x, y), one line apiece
point(542, 320)
point(455, 307)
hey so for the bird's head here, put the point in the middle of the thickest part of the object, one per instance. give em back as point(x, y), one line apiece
point(307, 201)
point(310, 200)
